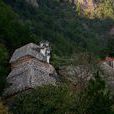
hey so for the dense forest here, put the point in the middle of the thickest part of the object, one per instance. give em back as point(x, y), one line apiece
point(71, 31)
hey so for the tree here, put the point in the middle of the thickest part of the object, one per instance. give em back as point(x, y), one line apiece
point(95, 99)
point(3, 109)
point(43, 100)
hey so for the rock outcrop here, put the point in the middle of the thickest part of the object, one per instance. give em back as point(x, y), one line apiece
point(108, 75)
point(81, 74)
point(29, 69)
point(34, 3)
point(77, 75)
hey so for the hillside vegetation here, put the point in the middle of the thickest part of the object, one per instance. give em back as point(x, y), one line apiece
point(71, 33)
point(66, 28)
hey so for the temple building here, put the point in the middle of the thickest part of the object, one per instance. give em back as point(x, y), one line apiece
point(30, 68)
point(109, 61)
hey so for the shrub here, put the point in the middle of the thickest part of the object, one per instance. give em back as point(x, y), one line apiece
point(3, 68)
point(95, 99)
point(43, 100)
point(3, 109)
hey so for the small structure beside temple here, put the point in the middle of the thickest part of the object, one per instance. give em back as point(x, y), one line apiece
point(110, 61)
point(30, 68)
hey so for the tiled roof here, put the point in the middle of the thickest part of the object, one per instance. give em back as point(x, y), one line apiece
point(30, 49)
point(109, 59)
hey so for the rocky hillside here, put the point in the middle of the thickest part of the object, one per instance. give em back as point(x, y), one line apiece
point(58, 22)
point(80, 33)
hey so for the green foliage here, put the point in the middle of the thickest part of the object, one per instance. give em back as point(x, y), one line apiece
point(68, 33)
point(101, 101)
point(110, 46)
point(3, 66)
point(13, 32)
point(105, 9)
point(95, 99)
point(43, 100)
point(66, 29)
